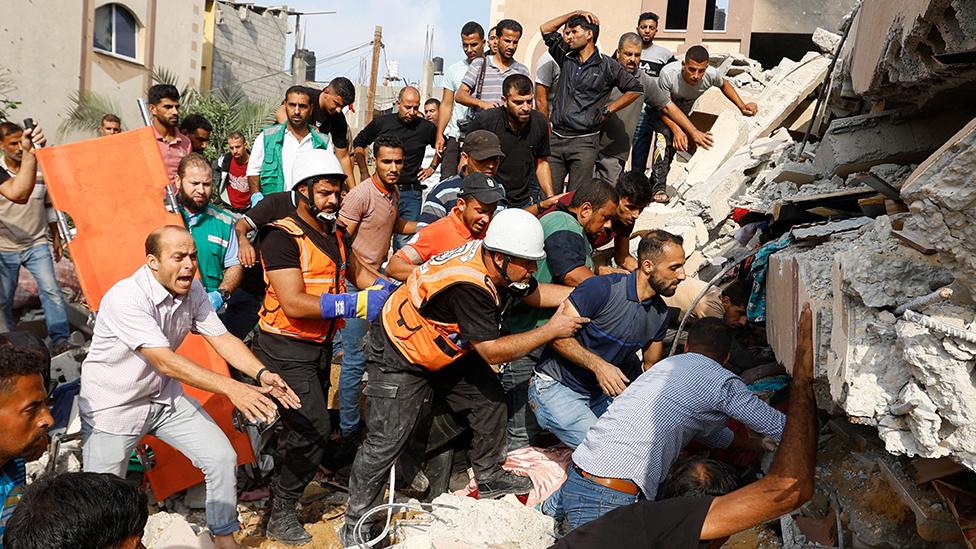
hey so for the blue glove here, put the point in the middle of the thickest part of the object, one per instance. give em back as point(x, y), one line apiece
point(388, 285)
point(216, 300)
point(365, 304)
point(255, 198)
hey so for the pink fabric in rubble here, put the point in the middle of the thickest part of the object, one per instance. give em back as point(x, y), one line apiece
point(545, 466)
point(64, 273)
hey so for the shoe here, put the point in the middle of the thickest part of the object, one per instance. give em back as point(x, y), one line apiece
point(345, 533)
point(283, 524)
point(507, 483)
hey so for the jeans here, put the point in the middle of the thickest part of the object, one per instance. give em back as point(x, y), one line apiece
point(351, 374)
point(653, 135)
point(408, 208)
point(187, 427)
point(580, 500)
point(641, 148)
point(608, 168)
point(40, 264)
point(563, 411)
point(522, 427)
point(575, 156)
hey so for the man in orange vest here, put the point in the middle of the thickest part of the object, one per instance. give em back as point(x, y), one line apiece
point(439, 332)
point(306, 265)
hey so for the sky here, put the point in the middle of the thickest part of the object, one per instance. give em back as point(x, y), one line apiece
point(404, 25)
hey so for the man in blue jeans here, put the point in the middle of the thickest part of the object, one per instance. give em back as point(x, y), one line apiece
point(23, 241)
point(576, 378)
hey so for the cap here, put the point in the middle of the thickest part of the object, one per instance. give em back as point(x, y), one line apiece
point(482, 145)
point(482, 188)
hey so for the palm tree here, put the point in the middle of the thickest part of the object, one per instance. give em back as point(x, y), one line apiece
point(85, 114)
point(7, 102)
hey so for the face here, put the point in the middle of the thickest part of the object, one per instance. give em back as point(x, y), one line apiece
point(492, 42)
point(628, 55)
point(693, 72)
point(237, 148)
point(326, 194)
point(577, 37)
point(177, 262)
point(666, 271)
point(166, 111)
point(473, 45)
point(431, 110)
point(199, 139)
point(109, 128)
point(519, 270)
point(24, 418)
point(519, 107)
point(12, 148)
point(647, 30)
point(476, 215)
point(628, 212)
point(486, 166)
point(297, 108)
point(508, 43)
point(408, 107)
point(566, 35)
point(389, 165)
point(735, 315)
point(330, 102)
point(195, 188)
point(595, 220)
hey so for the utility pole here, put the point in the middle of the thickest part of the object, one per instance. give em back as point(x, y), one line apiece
point(371, 95)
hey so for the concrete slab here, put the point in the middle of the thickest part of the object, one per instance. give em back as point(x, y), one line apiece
point(785, 93)
point(729, 132)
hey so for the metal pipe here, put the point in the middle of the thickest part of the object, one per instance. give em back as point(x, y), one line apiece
point(941, 327)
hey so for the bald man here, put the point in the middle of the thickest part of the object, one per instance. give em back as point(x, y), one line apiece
point(130, 385)
point(416, 134)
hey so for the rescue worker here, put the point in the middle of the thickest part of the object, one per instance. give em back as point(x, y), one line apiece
point(305, 262)
point(450, 306)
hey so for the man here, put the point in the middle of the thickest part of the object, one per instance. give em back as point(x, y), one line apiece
point(24, 422)
point(620, 126)
point(369, 216)
point(432, 109)
point(415, 134)
point(678, 87)
point(546, 78)
point(448, 133)
point(18, 189)
point(306, 266)
point(197, 129)
point(481, 153)
point(653, 57)
point(524, 138)
point(130, 382)
point(688, 519)
point(164, 106)
point(439, 333)
point(271, 167)
point(481, 88)
point(492, 41)
point(327, 117)
point(212, 229)
point(580, 105)
point(24, 230)
point(57, 512)
point(477, 200)
point(109, 125)
point(576, 379)
point(232, 172)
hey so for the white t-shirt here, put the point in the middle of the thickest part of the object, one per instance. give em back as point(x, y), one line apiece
point(290, 147)
point(654, 58)
point(672, 88)
point(452, 81)
point(547, 75)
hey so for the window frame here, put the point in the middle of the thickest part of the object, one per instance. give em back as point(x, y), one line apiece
point(115, 7)
point(728, 9)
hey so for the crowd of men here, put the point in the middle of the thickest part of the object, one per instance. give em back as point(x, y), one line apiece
point(476, 299)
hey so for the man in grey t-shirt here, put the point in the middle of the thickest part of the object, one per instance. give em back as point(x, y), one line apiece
point(653, 57)
point(678, 87)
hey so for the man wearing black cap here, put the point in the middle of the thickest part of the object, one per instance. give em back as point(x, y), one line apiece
point(476, 203)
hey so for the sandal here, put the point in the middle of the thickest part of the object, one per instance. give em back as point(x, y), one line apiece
point(661, 197)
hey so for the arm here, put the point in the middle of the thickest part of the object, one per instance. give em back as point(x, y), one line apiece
point(553, 25)
point(363, 140)
point(405, 226)
point(346, 161)
point(577, 276)
point(543, 174)
point(653, 354)
point(289, 286)
point(400, 266)
point(18, 188)
point(508, 348)
point(702, 139)
point(444, 117)
point(790, 480)
point(254, 164)
point(611, 379)
point(548, 296)
point(238, 355)
point(360, 154)
point(232, 278)
point(622, 101)
point(748, 109)
point(621, 253)
point(464, 97)
point(56, 247)
point(245, 251)
point(542, 100)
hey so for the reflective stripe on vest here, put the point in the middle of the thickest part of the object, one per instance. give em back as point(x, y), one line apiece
point(320, 274)
point(427, 342)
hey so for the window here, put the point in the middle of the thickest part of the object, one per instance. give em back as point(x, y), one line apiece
point(677, 16)
point(716, 15)
point(115, 30)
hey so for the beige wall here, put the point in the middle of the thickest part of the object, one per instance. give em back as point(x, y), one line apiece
point(734, 39)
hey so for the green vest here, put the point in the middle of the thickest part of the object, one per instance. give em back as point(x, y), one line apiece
point(523, 317)
point(211, 233)
point(272, 174)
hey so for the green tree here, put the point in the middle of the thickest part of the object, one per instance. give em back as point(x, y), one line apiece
point(86, 112)
point(7, 89)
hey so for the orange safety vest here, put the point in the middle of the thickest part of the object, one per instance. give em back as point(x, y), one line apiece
point(423, 341)
point(321, 276)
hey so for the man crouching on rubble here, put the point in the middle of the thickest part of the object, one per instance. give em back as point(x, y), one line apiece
point(130, 382)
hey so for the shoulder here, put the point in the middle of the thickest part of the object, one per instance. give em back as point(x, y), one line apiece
point(671, 70)
point(559, 220)
point(596, 285)
point(221, 214)
point(520, 68)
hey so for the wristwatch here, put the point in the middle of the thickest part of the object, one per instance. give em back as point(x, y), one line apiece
point(224, 294)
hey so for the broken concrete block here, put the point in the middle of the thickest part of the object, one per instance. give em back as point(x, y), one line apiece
point(798, 173)
point(767, 147)
point(675, 220)
point(172, 531)
point(858, 142)
point(825, 40)
point(729, 133)
point(787, 89)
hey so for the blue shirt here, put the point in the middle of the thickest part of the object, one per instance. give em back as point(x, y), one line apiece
point(13, 479)
point(620, 324)
point(684, 397)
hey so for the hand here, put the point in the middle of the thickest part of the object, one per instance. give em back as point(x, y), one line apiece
point(609, 269)
point(680, 141)
point(365, 304)
point(611, 379)
point(424, 173)
point(56, 248)
point(252, 402)
point(256, 197)
point(485, 105)
point(246, 253)
point(550, 202)
point(217, 301)
point(749, 109)
point(280, 390)
point(563, 324)
point(440, 143)
point(702, 139)
point(589, 16)
point(386, 284)
point(33, 138)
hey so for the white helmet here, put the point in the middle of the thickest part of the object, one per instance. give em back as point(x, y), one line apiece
point(517, 233)
point(316, 162)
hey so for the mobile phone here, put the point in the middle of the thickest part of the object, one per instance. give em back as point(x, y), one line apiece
point(28, 123)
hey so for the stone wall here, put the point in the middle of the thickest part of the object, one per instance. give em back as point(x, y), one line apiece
point(250, 53)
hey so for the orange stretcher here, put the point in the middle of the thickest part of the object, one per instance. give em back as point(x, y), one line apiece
point(113, 189)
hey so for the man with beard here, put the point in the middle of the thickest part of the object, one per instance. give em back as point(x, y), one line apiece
point(164, 106)
point(448, 133)
point(576, 378)
point(212, 229)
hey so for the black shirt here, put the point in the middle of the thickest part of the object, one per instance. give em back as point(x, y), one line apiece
point(521, 149)
point(414, 136)
point(583, 88)
point(471, 307)
point(666, 524)
point(280, 251)
point(334, 125)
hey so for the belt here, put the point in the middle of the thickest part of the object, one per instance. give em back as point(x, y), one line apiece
point(617, 484)
point(410, 186)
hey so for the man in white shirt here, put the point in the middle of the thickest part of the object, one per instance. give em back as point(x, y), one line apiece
point(448, 134)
